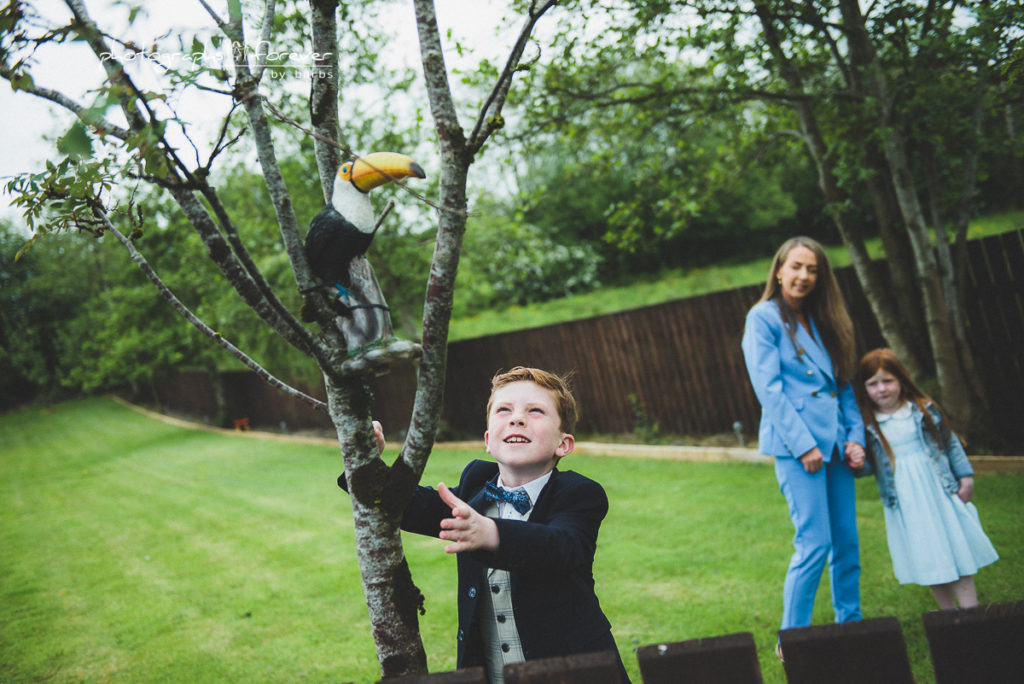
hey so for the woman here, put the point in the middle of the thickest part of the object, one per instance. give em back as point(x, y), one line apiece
point(799, 348)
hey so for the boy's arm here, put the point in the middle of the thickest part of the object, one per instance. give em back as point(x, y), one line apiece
point(566, 539)
point(425, 510)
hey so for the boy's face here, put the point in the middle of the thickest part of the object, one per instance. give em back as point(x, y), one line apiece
point(524, 432)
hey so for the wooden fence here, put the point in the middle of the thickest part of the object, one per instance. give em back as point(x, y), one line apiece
point(995, 313)
point(979, 645)
point(679, 361)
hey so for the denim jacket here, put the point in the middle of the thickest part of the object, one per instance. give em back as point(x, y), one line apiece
point(949, 462)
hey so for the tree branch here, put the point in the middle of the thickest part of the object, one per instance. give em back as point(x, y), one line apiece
point(263, 46)
point(89, 31)
point(247, 93)
point(252, 286)
point(450, 134)
point(224, 257)
point(213, 14)
point(300, 337)
point(271, 309)
point(98, 123)
point(323, 92)
point(167, 294)
point(490, 114)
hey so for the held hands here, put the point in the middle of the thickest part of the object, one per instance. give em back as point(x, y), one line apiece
point(467, 529)
point(854, 455)
point(812, 460)
point(378, 432)
point(966, 490)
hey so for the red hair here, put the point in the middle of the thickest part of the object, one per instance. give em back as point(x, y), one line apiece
point(886, 360)
point(557, 385)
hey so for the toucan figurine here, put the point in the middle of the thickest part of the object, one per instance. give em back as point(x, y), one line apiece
point(345, 228)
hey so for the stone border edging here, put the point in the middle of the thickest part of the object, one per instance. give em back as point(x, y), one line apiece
point(982, 463)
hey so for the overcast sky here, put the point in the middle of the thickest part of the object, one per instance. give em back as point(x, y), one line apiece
point(24, 120)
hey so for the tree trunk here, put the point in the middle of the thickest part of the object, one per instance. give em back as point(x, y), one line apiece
point(877, 294)
point(948, 370)
point(909, 339)
point(393, 600)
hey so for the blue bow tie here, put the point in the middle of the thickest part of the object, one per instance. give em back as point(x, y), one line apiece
point(518, 497)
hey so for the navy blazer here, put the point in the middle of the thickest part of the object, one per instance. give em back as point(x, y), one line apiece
point(802, 404)
point(550, 561)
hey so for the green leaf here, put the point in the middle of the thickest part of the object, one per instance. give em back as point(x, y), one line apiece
point(22, 81)
point(76, 142)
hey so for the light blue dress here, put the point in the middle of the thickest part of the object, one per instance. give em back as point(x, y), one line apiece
point(934, 537)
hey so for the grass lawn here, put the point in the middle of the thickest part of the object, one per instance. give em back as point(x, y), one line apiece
point(135, 551)
point(675, 284)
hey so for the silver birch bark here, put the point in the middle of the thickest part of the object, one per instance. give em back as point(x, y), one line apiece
point(948, 368)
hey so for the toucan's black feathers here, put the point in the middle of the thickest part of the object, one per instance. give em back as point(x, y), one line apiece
point(331, 243)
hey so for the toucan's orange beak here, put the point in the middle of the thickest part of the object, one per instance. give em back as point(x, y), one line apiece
point(376, 169)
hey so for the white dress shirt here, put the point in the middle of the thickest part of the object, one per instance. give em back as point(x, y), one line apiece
point(497, 619)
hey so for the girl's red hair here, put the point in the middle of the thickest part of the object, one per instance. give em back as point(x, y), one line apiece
point(885, 359)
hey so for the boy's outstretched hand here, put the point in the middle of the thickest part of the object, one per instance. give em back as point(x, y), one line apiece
point(467, 529)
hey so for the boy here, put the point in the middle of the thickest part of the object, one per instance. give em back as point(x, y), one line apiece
point(524, 531)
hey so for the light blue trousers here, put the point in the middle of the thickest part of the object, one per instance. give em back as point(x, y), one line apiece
point(823, 509)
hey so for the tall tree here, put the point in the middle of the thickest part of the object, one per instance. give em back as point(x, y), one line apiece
point(866, 89)
point(132, 133)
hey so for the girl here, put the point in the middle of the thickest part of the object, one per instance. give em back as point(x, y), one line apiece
point(926, 483)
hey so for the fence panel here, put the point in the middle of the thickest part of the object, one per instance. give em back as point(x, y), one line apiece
point(680, 359)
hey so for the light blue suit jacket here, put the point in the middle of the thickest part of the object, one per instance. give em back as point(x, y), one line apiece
point(802, 405)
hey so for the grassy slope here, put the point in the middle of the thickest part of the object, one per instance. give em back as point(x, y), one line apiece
point(668, 286)
point(135, 551)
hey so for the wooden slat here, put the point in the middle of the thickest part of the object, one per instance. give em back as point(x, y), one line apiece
point(729, 659)
point(858, 652)
point(469, 675)
point(587, 668)
point(982, 645)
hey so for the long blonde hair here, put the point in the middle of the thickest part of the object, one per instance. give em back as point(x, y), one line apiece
point(824, 303)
